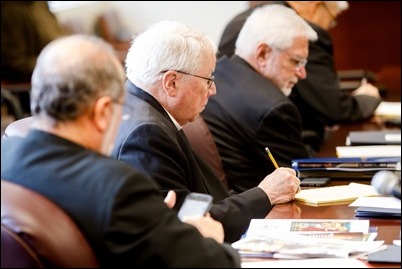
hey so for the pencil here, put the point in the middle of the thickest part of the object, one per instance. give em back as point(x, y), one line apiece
point(271, 157)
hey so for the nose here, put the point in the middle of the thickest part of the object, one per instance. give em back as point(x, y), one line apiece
point(212, 90)
point(301, 72)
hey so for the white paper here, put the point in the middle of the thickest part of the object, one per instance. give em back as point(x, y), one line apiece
point(308, 263)
point(388, 110)
point(368, 151)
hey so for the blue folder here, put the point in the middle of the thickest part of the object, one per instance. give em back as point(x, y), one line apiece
point(362, 168)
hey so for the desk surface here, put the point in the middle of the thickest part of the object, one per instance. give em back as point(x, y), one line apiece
point(337, 135)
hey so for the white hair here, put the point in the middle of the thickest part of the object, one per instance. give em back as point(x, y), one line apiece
point(342, 6)
point(167, 45)
point(275, 25)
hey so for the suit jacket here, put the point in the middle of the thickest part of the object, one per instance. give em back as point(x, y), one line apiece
point(319, 98)
point(247, 114)
point(149, 141)
point(120, 211)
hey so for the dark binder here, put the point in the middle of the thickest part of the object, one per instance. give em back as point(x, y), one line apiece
point(389, 137)
point(353, 168)
point(378, 212)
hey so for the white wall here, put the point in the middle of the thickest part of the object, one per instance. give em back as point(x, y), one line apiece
point(209, 16)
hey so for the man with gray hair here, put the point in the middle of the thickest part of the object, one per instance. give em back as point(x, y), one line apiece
point(319, 98)
point(169, 71)
point(251, 110)
point(77, 95)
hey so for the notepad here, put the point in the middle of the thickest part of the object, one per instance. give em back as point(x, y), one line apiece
point(388, 110)
point(343, 194)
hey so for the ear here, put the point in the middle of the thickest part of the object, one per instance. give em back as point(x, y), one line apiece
point(103, 111)
point(263, 51)
point(169, 82)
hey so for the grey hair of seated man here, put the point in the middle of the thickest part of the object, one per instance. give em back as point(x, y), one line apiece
point(71, 73)
point(167, 45)
point(275, 25)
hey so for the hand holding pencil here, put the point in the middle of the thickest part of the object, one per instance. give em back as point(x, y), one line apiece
point(271, 157)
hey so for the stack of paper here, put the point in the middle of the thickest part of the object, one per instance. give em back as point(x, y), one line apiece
point(368, 151)
point(307, 238)
point(308, 263)
point(377, 207)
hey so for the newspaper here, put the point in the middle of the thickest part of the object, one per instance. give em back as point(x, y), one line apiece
point(290, 245)
point(307, 238)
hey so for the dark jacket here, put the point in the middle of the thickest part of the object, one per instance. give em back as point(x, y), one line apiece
point(149, 141)
point(319, 98)
point(120, 211)
point(247, 114)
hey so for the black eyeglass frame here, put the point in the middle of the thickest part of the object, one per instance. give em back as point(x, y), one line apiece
point(210, 80)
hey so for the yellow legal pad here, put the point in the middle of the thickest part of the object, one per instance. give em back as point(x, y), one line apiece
point(343, 194)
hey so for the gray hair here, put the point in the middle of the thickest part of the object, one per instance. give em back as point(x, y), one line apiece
point(167, 45)
point(337, 6)
point(274, 25)
point(71, 73)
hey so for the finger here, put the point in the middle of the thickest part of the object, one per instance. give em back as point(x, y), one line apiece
point(170, 199)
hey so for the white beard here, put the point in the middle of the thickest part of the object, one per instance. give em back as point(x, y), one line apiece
point(287, 91)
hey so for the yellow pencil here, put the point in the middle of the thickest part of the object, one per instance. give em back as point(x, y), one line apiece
point(271, 157)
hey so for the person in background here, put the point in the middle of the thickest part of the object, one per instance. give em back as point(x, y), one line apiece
point(77, 97)
point(26, 28)
point(169, 69)
point(251, 110)
point(319, 98)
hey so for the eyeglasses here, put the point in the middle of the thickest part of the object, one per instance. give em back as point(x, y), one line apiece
point(297, 62)
point(333, 22)
point(210, 80)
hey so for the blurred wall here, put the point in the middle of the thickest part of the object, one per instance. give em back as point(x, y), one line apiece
point(208, 16)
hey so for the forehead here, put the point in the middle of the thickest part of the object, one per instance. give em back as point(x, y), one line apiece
point(299, 46)
point(208, 59)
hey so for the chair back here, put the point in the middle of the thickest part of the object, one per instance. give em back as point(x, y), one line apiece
point(15, 252)
point(19, 127)
point(45, 227)
point(203, 143)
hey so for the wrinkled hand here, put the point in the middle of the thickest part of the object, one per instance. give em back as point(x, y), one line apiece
point(285, 211)
point(367, 89)
point(281, 185)
point(208, 227)
point(170, 199)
